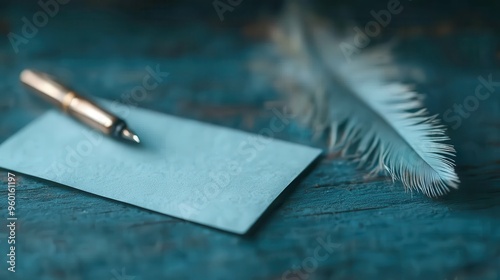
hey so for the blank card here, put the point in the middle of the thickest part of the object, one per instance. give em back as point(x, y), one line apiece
point(203, 173)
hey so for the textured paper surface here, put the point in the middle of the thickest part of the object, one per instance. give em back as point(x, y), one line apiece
point(203, 173)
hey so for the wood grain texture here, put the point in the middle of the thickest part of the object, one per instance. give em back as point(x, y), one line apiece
point(374, 228)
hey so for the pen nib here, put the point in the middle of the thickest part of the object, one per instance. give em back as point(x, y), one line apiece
point(127, 134)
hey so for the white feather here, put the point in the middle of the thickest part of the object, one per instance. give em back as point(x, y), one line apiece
point(381, 121)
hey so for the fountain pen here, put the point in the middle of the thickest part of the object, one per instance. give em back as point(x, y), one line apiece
point(77, 106)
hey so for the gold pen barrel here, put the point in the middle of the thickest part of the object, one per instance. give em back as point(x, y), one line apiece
point(72, 103)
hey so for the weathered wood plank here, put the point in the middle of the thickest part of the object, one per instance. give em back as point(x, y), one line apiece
point(374, 227)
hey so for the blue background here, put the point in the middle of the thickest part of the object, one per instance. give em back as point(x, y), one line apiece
point(102, 48)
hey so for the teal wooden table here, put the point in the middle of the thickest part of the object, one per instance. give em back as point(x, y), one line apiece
point(332, 224)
